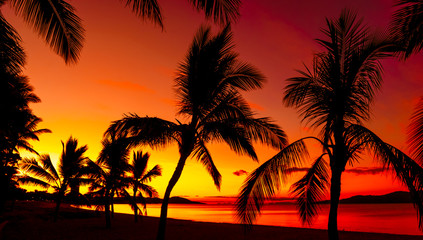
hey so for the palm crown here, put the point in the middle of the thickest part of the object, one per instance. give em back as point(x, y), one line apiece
point(70, 170)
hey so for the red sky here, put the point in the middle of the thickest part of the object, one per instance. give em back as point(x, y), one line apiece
point(128, 65)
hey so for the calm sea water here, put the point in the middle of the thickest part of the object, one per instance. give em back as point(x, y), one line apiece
point(380, 218)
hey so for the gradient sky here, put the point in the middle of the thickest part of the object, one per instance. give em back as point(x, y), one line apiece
point(128, 65)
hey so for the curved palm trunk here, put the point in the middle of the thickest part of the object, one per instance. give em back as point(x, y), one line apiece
point(335, 192)
point(163, 213)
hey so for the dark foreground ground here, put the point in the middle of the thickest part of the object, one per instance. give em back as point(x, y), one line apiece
point(33, 220)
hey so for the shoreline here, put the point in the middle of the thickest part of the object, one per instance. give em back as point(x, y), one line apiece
point(33, 220)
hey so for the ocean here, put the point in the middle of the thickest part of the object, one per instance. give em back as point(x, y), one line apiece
point(379, 218)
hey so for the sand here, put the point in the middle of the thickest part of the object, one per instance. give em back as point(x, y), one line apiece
point(33, 220)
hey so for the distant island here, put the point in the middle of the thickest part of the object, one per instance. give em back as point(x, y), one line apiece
point(394, 197)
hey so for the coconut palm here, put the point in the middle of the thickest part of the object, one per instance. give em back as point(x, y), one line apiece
point(208, 87)
point(406, 26)
point(42, 173)
point(334, 96)
point(139, 178)
point(415, 132)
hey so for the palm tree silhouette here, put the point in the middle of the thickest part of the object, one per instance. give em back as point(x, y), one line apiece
point(18, 124)
point(139, 178)
point(56, 20)
point(415, 132)
point(335, 95)
point(42, 173)
point(208, 87)
point(108, 173)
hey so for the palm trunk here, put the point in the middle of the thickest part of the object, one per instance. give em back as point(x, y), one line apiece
point(335, 192)
point(58, 202)
point(112, 207)
point(136, 206)
point(107, 211)
point(163, 213)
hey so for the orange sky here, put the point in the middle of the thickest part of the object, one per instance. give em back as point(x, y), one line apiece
point(128, 65)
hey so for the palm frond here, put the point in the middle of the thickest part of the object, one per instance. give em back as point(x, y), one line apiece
point(415, 133)
point(221, 11)
point(40, 169)
point(406, 26)
point(148, 190)
point(12, 58)
point(146, 9)
point(152, 173)
point(30, 181)
point(203, 155)
point(154, 132)
point(311, 189)
point(234, 135)
point(56, 22)
point(265, 181)
point(405, 169)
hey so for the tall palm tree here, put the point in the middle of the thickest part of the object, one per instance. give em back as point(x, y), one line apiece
point(56, 20)
point(334, 96)
point(208, 87)
point(41, 172)
point(18, 124)
point(415, 133)
point(139, 178)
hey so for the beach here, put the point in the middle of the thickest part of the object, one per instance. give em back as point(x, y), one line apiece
point(33, 220)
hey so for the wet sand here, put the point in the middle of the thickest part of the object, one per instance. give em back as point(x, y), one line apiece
point(34, 220)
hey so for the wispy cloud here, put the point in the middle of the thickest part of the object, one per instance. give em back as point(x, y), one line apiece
point(126, 85)
point(357, 171)
point(255, 106)
point(365, 170)
point(240, 172)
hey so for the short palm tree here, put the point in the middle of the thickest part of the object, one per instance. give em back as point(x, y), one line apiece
point(208, 87)
point(334, 96)
point(139, 178)
point(41, 172)
point(415, 133)
point(108, 173)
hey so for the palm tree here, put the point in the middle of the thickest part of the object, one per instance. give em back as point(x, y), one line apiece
point(41, 172)
point(406, 26)
point(334, 96)
point(56, 20)
point(108, 173)
point(208, 87)
point(415, 132)
point(18, 124)
point(140, 177)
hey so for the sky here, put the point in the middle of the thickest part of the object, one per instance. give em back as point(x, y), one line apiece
point(128, 65)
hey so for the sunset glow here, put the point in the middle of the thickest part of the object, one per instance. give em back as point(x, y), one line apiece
point(128, 66)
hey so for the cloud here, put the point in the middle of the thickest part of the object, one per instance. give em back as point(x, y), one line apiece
point(356, 171)
point(296, 169)
point(255, 106)
point(240, 172)
point(126, 85)
point(365, 170)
